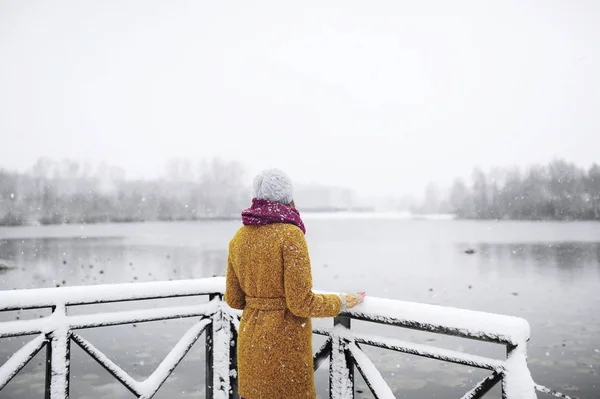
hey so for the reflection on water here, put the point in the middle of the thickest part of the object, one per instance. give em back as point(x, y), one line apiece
point(571, 257)
point(553, 281)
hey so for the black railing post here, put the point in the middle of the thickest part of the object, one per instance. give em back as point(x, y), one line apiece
point(67, 354)
point(338, 348)
point(208, 369)
point(233, 377)
point(48, 362)
point(48, 367)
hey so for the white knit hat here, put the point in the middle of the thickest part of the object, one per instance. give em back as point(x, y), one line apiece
point(273, 185)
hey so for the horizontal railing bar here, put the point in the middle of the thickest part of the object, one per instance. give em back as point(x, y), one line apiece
point(445, 355)
point(142, 316)
point(118, 373)
point(23, 327)
point(20, 359)
point(108, 293)
point(432, 328)
point(52, 322)
point(427, 351)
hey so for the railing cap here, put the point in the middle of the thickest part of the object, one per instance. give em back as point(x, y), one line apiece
point(462, 322)
point(103, 293)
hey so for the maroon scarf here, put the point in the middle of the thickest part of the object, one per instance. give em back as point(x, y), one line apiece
point(266, 212)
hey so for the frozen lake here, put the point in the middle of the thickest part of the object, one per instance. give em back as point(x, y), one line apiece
point(548, 273)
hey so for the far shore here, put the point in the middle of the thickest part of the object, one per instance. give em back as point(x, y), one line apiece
point(338, 214)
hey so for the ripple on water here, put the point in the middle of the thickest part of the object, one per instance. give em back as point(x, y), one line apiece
point(541, 361)
point(90, 377)
point(403, 382)
point(449, 381)
point(589, 361)
point(587, 371)
point(570, 388)
point(29, 378)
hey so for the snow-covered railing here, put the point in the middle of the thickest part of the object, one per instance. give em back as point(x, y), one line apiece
point(219, 323)
point(56, 332)
point(343, 347)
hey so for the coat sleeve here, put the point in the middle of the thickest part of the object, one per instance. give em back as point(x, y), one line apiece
point(234, 295)
point(297, 276)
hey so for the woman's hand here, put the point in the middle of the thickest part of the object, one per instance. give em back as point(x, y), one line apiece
point(354, 299)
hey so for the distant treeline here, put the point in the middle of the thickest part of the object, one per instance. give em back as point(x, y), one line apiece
point(557, 191)
point(71, 192)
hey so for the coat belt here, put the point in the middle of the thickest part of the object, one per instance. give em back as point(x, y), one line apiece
point(265, 303)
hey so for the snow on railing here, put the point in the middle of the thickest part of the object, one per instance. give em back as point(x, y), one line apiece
point(220, 323)
point(57, 331)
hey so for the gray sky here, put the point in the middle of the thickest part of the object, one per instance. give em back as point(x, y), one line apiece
point(381, 96)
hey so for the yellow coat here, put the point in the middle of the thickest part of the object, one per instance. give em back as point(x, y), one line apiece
point(269, 277)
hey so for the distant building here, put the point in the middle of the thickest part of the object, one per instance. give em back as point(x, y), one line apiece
point(319, 198)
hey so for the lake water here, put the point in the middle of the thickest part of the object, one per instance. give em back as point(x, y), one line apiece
point(548, 273)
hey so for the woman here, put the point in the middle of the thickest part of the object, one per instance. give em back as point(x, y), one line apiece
point(269, 277)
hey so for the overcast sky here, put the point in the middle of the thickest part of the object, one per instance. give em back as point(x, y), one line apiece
point(381, 96)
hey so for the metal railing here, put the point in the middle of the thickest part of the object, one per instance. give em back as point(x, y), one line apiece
point(219, 323)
